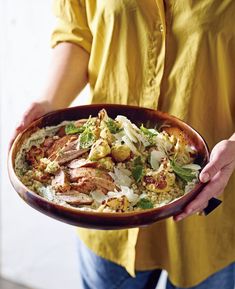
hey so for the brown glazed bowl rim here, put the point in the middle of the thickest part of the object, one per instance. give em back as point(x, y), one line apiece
point(20, 187)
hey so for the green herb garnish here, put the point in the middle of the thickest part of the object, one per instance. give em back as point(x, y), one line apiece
point(148, 132)
point(113, 126)
point(86, 139)
point(72, 129)
point(185, 174)
point(137, 173)
point(137, 169)
point(145, 203)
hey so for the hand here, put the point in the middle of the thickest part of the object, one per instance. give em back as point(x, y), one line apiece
point(217, 173)
point(35, 110)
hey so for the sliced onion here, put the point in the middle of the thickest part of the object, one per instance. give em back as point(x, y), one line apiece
point(155, 158)
point(131, 146)
point(193, 167)
point(98, 196)
point(131, 196)
point(121, 177)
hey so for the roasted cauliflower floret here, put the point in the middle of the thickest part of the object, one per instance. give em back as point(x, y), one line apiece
point(118, 204)
point(120, 153)
point(181, 144)
point(106, 163)
point(159, 182)
point(99, 149)
point(106, 134)
point(50, 167)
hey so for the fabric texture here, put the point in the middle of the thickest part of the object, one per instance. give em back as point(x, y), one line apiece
point(225, 279)
point(178, 57)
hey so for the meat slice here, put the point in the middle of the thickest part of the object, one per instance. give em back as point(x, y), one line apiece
point(60, 144)
point(93, 178)
point(83, 185)
point(61, 131)
point(65, 149)
point(67, 156)
point(48, 142)
point(79, 163)
point(84, 172)
point(104, 184)
point(61, 182)
point(75, 198)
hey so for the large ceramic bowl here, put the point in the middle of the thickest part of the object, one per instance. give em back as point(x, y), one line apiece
point(100, 220)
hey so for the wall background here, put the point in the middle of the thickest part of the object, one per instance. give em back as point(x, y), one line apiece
point(36, 250)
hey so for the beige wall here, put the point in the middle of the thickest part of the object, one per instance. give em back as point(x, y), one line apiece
point(36, 250)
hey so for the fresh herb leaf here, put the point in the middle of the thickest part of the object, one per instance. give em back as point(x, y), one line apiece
point(148, 132)
point(137, 161)
point(113, 126)
point(145, 203)
point(72, 129)
point(185, 174)
point(86, 138)
point(137, 169)
point(90, 122)
point(137, 172)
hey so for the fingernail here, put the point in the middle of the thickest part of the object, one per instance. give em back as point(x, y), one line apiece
point(189, 211)
point(179, 218)
point(205, 177)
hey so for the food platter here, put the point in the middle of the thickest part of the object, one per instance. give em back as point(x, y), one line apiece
point(106, 220)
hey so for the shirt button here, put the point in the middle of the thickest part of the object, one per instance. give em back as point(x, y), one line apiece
point(152, 82)
point(161, 28)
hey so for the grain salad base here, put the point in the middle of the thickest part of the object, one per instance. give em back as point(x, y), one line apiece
point(108, 165)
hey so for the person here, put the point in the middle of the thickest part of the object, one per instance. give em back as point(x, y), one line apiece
point(174, 56)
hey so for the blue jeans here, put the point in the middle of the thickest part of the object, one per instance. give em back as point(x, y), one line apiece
point(99, 273)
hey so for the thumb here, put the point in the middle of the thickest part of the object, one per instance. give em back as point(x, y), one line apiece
point(212, 168)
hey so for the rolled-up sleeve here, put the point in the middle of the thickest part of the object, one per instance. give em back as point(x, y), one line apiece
point(71, 24)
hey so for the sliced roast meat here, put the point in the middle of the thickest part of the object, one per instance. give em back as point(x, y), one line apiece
point(59, 179)
point(48, 142)
point(79, 163)
point(65, 149)
point(67, 156)
point(77, 173)
point(75, 199)
point(83, 185)
point(61, 131)
point(61, 182)
point(104, 184)
point(94, 179)
point(59, 145)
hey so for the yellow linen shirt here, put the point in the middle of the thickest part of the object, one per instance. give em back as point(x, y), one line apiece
point(178, 57)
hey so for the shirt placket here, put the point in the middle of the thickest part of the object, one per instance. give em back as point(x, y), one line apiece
point(156, 59)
